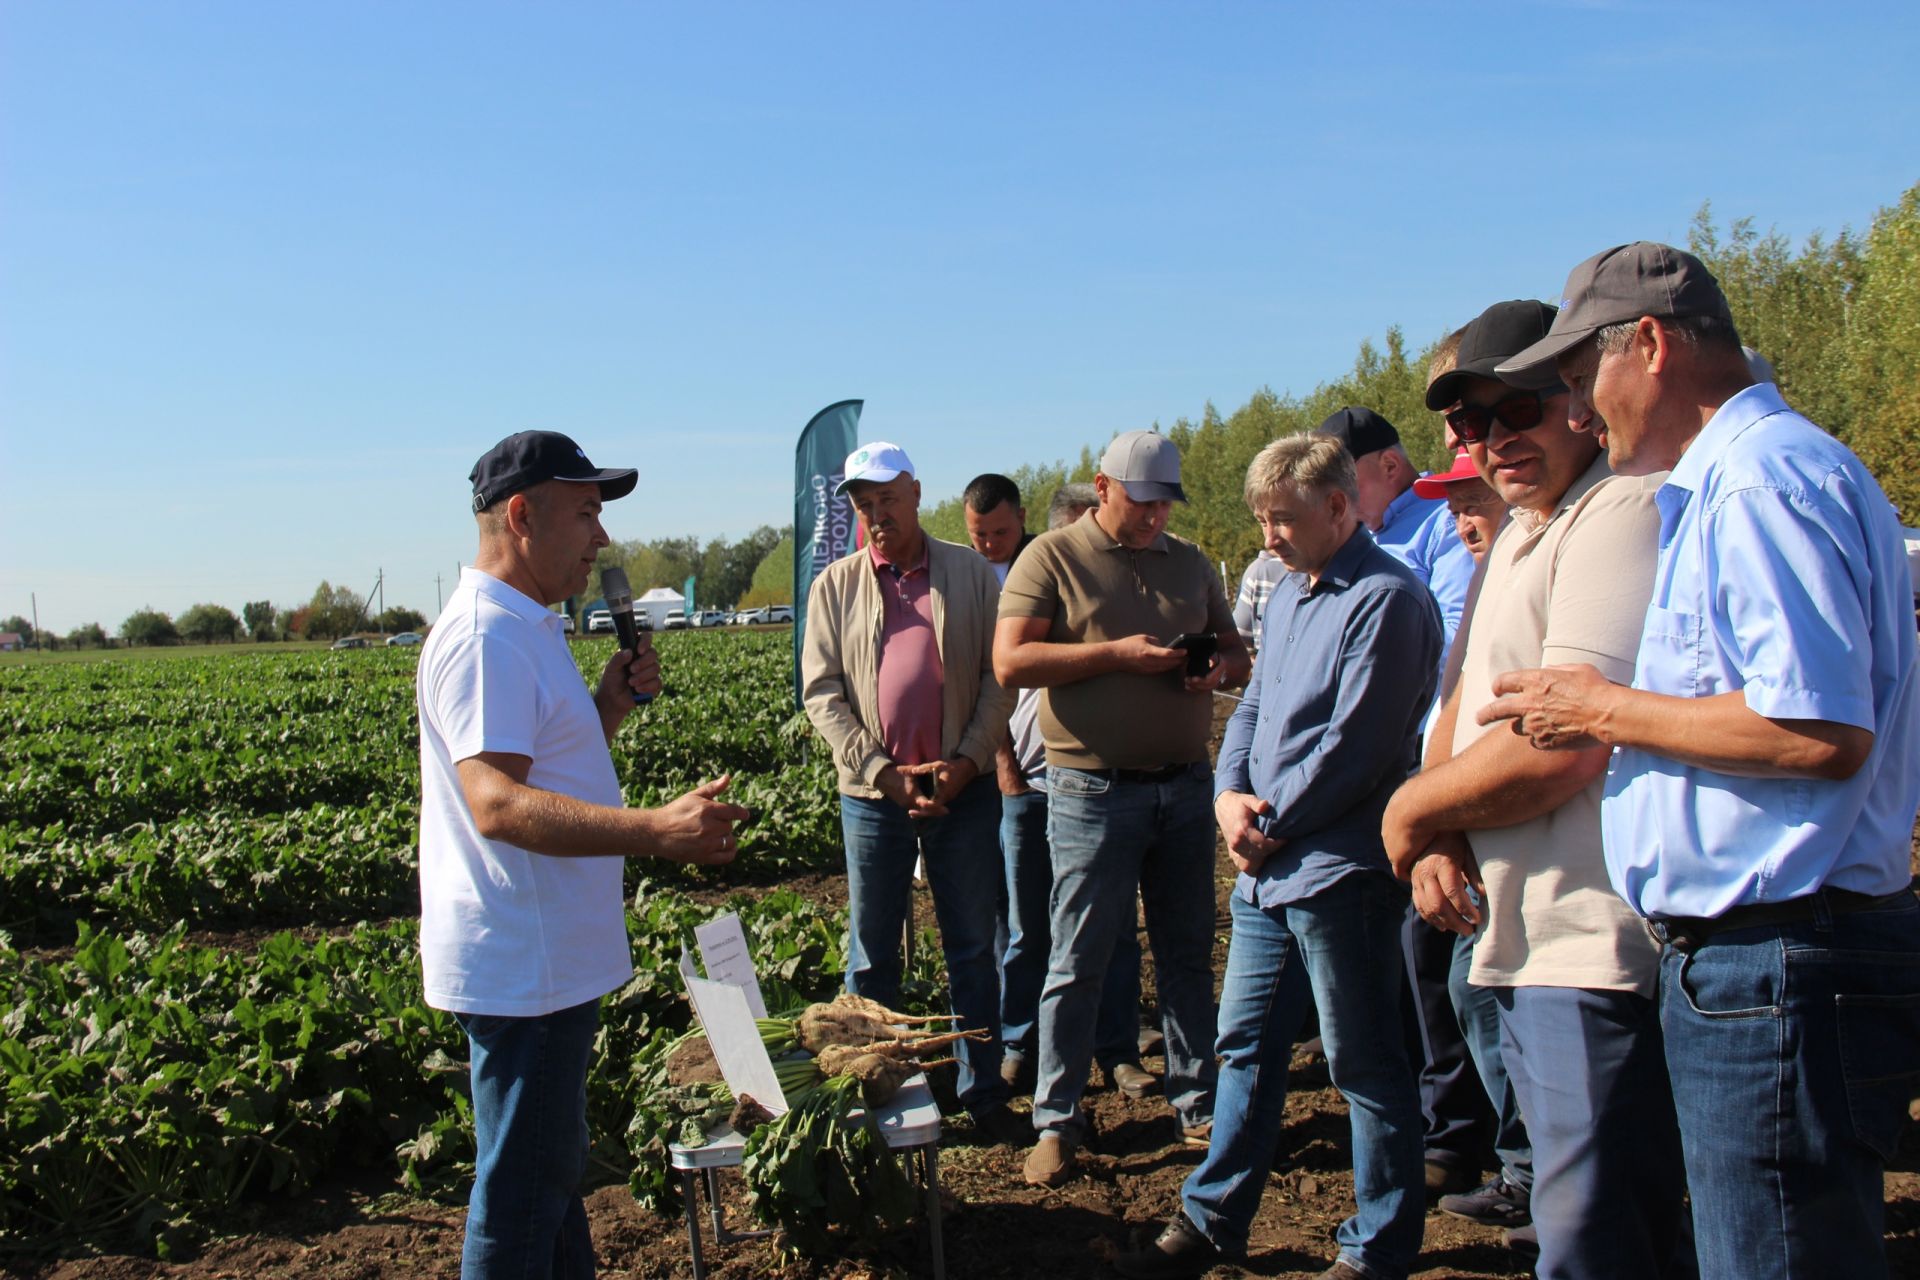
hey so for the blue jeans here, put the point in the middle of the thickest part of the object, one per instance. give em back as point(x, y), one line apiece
point(1112, 839)
point(1479, 1015)
point(525, 1218)
point(1793, 1051)
point(963, 866)
point(1343, 942)
point(1607, 1175)
point(1023, 967)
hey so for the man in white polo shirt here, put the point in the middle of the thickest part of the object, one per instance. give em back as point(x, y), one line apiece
point(522, 834)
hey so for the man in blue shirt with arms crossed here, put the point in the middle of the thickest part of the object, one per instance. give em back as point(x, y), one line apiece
point(1327, 730)
point(1767, 769)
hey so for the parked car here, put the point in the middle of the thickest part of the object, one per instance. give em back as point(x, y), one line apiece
point(779, 613)
point(600, 620)
point(676, 620)
point(711, 618)
point(566, 624)
point(747, 617)
point(404, 639)
point(349, 642)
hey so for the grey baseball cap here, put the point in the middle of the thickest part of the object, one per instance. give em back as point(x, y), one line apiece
point(1623, 283)
point(1147, 464)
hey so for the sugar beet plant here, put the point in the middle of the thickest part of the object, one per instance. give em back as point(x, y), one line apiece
point(282, 790)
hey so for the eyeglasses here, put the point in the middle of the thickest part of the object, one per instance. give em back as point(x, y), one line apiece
point(1521, 411)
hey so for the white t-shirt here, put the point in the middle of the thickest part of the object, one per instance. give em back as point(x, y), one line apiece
point(504, 931)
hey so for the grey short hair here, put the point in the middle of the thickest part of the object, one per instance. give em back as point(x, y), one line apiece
point(1690, 331)
point(1070, 502)
point(1308, 460)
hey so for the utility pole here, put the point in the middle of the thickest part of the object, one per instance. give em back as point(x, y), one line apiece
point(381, 586)
point(34, 598)
point(438, 603)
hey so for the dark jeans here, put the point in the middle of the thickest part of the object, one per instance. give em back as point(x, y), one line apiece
point(1607, 1175)
point(525, 1219)
point(1453, 1103)
point(1023, 965)
point(963, 866)
point(1794, 1050)
point(1479, 1014)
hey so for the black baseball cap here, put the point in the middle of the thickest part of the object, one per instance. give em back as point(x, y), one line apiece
point(533, 457)
point(1362, 430)
point(1494, 336)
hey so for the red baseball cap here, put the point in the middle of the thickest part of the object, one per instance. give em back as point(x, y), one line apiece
point(1436, 486)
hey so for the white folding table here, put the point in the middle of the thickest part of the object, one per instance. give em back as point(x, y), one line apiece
point(910, 1123)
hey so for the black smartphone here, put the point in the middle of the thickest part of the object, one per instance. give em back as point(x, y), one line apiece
point(924, 784)
point(1200, 647)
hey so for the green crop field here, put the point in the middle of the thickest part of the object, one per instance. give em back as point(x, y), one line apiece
point(209, 981)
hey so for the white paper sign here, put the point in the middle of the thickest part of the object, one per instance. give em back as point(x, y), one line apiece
point(728, 1021)
point(723, 950)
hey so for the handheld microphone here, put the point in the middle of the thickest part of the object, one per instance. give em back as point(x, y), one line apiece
point(613, 585)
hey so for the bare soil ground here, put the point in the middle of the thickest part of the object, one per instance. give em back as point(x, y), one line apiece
point(995, 1226)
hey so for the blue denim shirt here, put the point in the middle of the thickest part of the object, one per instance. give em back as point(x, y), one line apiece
point(1328, 727)
point(1781, 575)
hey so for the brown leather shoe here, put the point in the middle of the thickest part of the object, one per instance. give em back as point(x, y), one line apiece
point(1133, 1080)
point(1053, 1160)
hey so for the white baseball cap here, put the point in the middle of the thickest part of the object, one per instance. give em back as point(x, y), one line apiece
point(878, 462)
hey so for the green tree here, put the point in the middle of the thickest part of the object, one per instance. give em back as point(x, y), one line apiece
point(259, 618)
point(772, 578)
point(89, 636)
point(205, 623)
point(1879, 358)
point(149, 626)
point(333, 612)
point(20, 626)
point(397, 619)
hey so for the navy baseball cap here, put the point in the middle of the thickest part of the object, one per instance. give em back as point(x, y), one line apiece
point(1362, 430)
point(534, 457)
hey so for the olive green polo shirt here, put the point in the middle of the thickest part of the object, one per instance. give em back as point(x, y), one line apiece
point(1091, 588)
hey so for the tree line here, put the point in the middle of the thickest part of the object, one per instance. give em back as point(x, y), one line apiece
point(1839, 318)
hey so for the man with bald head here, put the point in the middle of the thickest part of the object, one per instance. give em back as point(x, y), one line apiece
point(1766, 769)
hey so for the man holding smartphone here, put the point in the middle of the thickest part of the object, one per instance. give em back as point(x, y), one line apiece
point(1085, 616)
point(897, 676)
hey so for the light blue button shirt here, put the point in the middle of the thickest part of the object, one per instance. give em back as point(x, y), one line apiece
point(1420, 533)
point(1781, 575)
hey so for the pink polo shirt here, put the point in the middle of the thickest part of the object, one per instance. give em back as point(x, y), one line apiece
point(910, 674)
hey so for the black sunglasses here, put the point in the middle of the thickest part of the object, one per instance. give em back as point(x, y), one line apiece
point(1521, 411)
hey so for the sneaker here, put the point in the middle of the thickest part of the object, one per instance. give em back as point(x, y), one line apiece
point(1150, 1041)
point(1197, 1135)
point(1019, 1074)
point(1524, 1242)
point(1130, 1079)
point(1180, 1253)
point(1498, 1203)
point(1052, 1160)
point(1002, 1128)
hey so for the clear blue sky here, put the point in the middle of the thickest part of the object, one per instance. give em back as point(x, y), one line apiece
point(272, 276)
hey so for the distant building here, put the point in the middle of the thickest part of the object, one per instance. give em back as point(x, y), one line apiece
point(12, 642)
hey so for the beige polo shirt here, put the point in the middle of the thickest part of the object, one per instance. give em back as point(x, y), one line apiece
point(1571, 588)
point(1091, 589)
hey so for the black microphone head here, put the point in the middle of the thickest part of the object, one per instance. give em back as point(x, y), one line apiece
point(613, 585)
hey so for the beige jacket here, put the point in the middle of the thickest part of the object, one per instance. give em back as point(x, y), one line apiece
point(840, 662)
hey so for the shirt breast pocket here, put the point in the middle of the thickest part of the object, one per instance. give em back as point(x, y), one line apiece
point(1672, 647)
